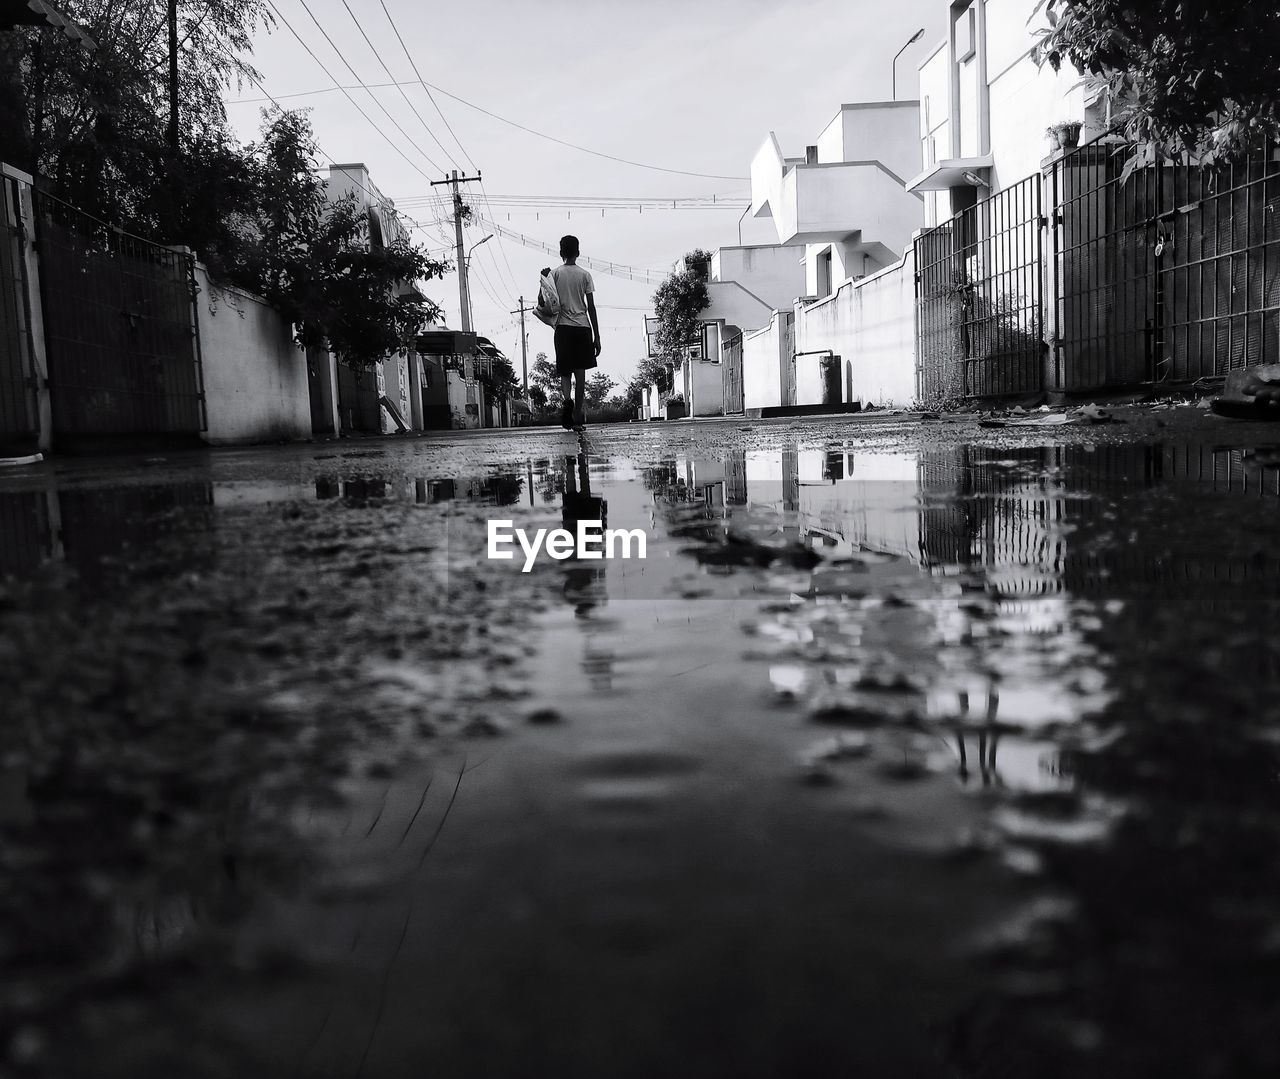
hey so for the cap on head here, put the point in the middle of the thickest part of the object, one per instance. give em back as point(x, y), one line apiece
point(568, 247)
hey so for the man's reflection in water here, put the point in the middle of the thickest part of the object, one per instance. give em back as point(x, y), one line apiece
point(584, 585)
point(988, 737)
point(584, 581)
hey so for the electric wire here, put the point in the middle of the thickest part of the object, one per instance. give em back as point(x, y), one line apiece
point(378, 56)
point(387, 138)
point(512, 123)
point(425, 156)
point(414, 64)
point(423, 83)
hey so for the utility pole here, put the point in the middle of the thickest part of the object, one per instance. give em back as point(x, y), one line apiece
point(464, 293)
point(524, 345)
point(173, 80)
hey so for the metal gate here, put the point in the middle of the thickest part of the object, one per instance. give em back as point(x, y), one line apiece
point(120, 328)
point(733, 394)
point(1107, 274)
point(19, 421)
point(979, 294)
point(1172, 274)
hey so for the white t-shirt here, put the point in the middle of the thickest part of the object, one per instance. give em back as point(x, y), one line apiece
point(573, 286)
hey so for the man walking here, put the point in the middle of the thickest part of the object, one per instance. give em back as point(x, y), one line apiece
point(577, 333)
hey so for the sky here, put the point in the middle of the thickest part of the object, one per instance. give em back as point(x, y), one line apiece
point(690, 86)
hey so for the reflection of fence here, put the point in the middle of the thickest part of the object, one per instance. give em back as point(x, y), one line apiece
point(119, 328)
point(978, 291)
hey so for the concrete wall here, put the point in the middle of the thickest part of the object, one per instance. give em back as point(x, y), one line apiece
point(1024, 99)
point(464, 401)
point(393, 383)
point(760, 372)
point(256, 381)
point(733, 305)
point(871, 325)
point(883, 131)
point(935, 127)
point(703, 387)
point(768, 271)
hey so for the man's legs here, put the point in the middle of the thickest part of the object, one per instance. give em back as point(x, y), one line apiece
point(566, 402)
point(579, 391)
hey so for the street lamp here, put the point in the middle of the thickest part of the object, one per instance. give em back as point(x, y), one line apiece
point(466, 273)
point(893, 68)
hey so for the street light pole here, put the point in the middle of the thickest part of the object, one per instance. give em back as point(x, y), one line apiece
point(893, 68)
point(466, 275)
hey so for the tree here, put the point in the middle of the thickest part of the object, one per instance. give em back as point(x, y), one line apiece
point(501, 378)
point(678, 302)
point(314, 260)
point(634, 394)
point(653, 370)
point(1181, 74)
point(95, 123)
point(543, 377)
point(597, 389)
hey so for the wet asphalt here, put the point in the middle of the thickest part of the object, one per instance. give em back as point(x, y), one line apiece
point(911, 748)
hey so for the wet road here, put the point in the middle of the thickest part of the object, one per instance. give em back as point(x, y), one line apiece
point(909, 749)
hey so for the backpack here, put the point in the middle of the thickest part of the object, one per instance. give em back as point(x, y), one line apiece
point(548, 306)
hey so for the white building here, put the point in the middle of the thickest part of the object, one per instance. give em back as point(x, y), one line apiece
point(846, 200)
point(396, 383)
point(985, 106)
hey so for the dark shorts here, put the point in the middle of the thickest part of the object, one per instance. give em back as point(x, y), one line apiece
point(575, 349)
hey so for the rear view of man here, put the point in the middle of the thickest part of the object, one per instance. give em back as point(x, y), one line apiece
point(577, 333)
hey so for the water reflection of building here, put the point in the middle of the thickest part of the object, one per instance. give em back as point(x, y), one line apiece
point(835, 501)
point(86, 527)
point(500, 489)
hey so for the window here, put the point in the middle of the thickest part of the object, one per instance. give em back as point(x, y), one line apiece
point(824, 274)
point(966, 34)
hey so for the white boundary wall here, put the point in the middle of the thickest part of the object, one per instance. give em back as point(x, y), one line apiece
point(871, 325)
point(256, 383)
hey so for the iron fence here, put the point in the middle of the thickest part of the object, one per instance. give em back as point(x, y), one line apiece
point(979, 295)
point(18, 416)
point(120, 328)
point(1171, 273)
point(1107, 273)
point(1218, 302)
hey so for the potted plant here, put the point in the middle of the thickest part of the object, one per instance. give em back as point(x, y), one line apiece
point(675, 406)
point(1065, 135)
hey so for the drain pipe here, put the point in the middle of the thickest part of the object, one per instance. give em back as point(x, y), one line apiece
point(744, 214)
point(813, 352)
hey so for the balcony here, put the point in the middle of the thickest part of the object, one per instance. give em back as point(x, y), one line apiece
point(860, 202)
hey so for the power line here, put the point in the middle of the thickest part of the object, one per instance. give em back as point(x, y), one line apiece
point(442, 244)
point(378, 56)
point(391, 142)
point(512, 123)
point(475, 168)
point(613, 269)
point(425, 156)
point(423, 83)
point(619, 202)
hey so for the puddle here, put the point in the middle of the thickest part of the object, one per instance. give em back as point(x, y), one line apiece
point(919, 761)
